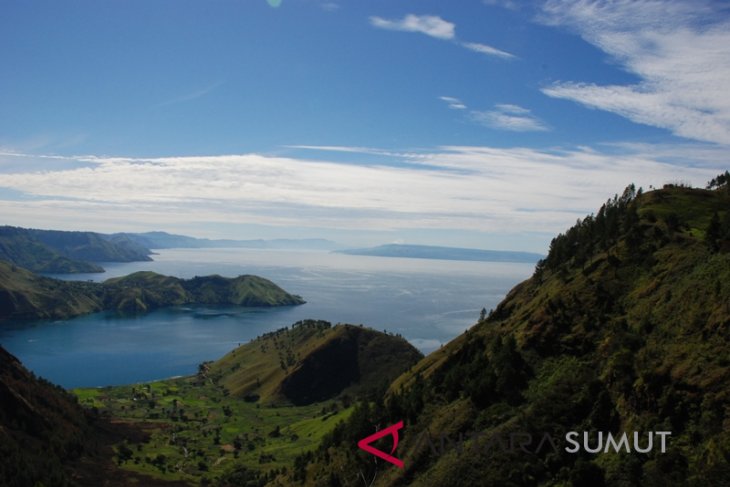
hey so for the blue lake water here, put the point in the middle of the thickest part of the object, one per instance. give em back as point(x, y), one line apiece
point(429, 302)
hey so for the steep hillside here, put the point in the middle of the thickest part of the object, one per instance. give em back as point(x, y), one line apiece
point(61, 252)
point(624, 327)
point(22, 249)
point(312, 362)
point(26, 296)
point(46, 438)
point(36, 416)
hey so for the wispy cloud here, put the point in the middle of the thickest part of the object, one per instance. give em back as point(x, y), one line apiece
point(475, 188)
point(192, 95)
point(680, 50)
point(398, 155)
point(453, 103)
point(508, 4)
point(430, 25)
point(509, 117)
point(437, 27)
point(330, 6)
point(488, 50)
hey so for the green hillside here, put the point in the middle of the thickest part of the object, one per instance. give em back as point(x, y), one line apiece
point(625, 326)
point(60, 252)
point(234, 423)
point(91, 246)
point(26, 296)
point(22, 249)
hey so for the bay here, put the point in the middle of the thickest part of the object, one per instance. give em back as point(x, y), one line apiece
point(429, 302)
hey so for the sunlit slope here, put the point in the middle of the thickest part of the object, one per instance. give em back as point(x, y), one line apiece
point(313, 361)
point(624, 327)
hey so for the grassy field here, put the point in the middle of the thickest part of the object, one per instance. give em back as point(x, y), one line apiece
point(197, 430)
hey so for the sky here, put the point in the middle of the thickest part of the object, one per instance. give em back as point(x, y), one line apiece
point(479, 123)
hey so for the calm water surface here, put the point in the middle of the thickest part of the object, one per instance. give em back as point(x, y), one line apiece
point(429, 302)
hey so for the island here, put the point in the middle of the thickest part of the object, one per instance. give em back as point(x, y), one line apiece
point(28, 296)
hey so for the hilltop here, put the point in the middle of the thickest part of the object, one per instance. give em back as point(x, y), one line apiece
point(27, 296)
point(313, 361)
point(624, 326)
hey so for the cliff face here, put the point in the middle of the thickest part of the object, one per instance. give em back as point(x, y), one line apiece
point(625, 326)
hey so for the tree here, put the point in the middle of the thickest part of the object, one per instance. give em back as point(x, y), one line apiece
point(482, 314)
point(719, 181)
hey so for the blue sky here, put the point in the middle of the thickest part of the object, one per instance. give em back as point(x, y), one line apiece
point(490, 124)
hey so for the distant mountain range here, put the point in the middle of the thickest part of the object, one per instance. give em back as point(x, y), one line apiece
point(164, 240)
point(62, 252)
point(444, 253)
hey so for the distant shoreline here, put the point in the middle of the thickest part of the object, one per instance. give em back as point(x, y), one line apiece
point(445, 253)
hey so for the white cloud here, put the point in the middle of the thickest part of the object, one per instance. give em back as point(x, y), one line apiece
point(509, 117)
point(430, 25)
point(456, 188)
point(453, 103)
point(680, 51)
point(437, 27)
point(488, 50)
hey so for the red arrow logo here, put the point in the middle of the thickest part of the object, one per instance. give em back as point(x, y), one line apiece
point(364, 444)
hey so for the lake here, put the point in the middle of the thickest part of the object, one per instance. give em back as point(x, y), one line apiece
point(429, 302)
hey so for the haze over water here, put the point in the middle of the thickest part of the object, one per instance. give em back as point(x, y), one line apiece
point(429, 302)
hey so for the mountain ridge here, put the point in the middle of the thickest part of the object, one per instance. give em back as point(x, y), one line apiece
point(623, 327)
point(65, 252)
point(164, 240)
